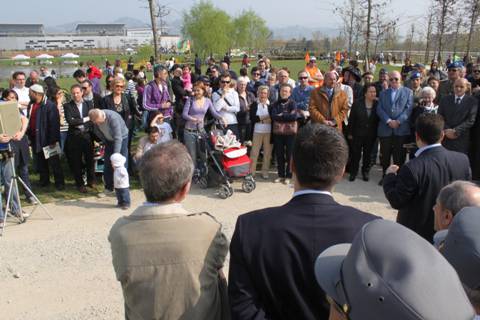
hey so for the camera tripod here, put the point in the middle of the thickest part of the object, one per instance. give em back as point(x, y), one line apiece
point(13, 192)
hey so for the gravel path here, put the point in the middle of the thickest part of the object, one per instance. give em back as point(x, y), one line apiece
point(61, 268)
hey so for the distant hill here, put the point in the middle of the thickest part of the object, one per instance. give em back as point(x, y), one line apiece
point(132, 22)
point(299, 32)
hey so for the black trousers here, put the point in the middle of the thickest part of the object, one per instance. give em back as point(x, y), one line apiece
point(393, 147)
point(245, 132)
point(361, 148)
point(283, 150)
point(44, 170)
point(79, 149)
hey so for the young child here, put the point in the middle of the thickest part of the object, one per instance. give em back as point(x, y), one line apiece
point(187, 78)
point(121, 180)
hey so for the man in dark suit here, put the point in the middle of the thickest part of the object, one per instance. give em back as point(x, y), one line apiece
point(89, 95)
point(79, 144)
point(459, 111)
point(394, 108)
point(273, 250)
point(413, 188)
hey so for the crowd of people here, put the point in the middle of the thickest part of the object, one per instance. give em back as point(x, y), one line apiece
point(318, 126)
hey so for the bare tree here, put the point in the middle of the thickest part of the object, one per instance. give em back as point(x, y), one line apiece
point(153, 20)
point(429, 34)
point(458, 25)
point(472, 7)
point(444, 11)
point(348, 13)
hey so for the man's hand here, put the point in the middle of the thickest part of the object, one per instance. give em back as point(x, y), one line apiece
point(18, 136)
point(330, 123)
point(394, 124)
point(451, 134)
point(4, 138)
point(392, 169)
point(166, 105)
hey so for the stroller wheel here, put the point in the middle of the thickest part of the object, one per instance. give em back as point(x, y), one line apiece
point(224, 192)
point(203, 182)
point(248, 185)
point(230, 191)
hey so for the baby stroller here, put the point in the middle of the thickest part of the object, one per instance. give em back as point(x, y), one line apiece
point(224, 155)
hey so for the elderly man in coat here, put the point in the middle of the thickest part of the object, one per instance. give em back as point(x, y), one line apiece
point(328, 104)
point(168, 260)
point(394, 108)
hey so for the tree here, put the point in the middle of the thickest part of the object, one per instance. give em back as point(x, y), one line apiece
point(472, 9)
point(429, 34)
point(210, 29)
point(250, 31)
point(153, 20)
point(348, 12)
point(445, 9)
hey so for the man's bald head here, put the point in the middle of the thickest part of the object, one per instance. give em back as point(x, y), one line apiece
point(395, 78)
point(460, 87)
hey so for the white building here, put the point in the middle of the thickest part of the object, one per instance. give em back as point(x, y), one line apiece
point(85, 36)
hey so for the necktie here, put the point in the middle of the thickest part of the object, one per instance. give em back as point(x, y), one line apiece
point(458, 100)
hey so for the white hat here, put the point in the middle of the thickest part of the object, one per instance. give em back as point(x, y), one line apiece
point(312, 58)
point(117, 160)
point(37, 88)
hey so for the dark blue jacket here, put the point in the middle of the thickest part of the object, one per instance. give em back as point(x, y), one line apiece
point(47, 126)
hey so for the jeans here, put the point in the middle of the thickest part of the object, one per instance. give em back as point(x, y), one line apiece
point(283, 150)
point(6, 174)
point(123, 196)
point(63, 137)
point(191, 143)
point(107, 168)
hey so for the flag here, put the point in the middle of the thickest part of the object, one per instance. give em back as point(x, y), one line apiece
point(307, 57)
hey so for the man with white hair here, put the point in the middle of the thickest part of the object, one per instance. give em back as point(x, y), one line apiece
point(110, 127)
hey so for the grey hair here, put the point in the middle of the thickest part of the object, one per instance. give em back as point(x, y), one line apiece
point(95, 114)
point(262, 88)
point(164, 170)
point(429, 90)
point(456, 196)
point(271, 75)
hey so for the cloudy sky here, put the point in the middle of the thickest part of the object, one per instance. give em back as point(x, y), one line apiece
point(309, 13)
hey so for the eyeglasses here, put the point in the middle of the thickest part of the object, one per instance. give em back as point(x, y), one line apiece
point(302, 78)
point(453, 70)
point(224, 81)
point(394, 79)
point(255, 74)
point(119, 86)
point(476, 71)
point(84, 88)
point(20, 79)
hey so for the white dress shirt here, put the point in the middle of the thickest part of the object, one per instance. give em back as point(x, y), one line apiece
point(311, 191)
point(430, 146)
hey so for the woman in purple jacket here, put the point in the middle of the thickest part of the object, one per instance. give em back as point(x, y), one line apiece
point(194, 113)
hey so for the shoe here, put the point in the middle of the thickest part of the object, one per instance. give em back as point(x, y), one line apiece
point(109, 193)
point(82, 189)
point(365, 176)
point(32, 200)
point(351, 178)
point(278, 180)
point(265, 176)
point(380, 183)
point(25, 214)
point(101, 195)
point(286, 181)
point(125, 207)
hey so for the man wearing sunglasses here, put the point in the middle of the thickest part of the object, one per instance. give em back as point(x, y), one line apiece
point(446, 86)
point(89, 95)
point(227, 103)
point(301, 94)
point(394, 108)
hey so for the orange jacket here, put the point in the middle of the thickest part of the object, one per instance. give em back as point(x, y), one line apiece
point(321, 110)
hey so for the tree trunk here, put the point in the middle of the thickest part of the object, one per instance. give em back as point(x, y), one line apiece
point(455, 42)
point(429, 37)
point(153, 19)
point(367, 40)
point(350, 34)
point(473, 22)
point(442, 26)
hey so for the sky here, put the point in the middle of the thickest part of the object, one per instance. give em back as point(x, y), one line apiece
point(309, 13)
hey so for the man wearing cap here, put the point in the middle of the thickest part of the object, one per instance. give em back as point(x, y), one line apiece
point(315, 77)
point(459, 111)
point(413, 188)
point(446, 86)
point(44, 131)
point(329, 104)
point(462, 249)
point(394, 108)
point(272, 250)
point(416, 86)
point(389, 272)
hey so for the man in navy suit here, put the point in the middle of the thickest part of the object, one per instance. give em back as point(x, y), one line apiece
point(273, 251)
point(413, 189)
point(394, 108)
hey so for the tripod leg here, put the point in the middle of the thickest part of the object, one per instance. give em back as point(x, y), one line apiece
point(34, 196)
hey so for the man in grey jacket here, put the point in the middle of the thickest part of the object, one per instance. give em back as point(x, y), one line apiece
point(110, 127)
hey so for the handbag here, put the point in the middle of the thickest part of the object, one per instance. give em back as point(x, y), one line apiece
point(285, 128)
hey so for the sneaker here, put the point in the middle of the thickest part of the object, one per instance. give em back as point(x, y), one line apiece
point(286, 181)
point(25, 214)
point(125, 207)
point(109, 193)
point(278, 180)
point(265, 176)
point(32, 200)
point(101, 195)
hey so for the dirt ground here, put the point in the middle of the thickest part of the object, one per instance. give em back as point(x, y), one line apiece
point(61, 268)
